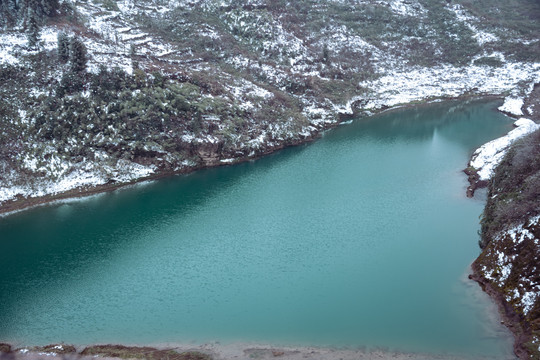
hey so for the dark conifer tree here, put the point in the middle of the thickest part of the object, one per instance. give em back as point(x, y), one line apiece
point(35, 11)
point(47, 7)
point(133, 55)
point(4, 13)
point(77, 55)
point(326, 54)
point(32, 32)
point(13, 9)
point(10, 137)
point(63, 47)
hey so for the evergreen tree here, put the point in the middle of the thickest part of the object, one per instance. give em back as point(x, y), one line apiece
point(63, 47)
point(32, 32)
point(77, 55)
point(326, 54)
point(34, 12)
point(69, 84)
point(47, 7)
point(22, 10)
point(4, 13)
point(12, 9)
point(132, 55)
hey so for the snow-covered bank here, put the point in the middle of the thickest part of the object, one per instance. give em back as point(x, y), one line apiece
point(77, 177)
point(486, 158)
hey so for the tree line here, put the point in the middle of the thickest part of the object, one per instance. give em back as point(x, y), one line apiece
point(20, 12)
point(29, 14)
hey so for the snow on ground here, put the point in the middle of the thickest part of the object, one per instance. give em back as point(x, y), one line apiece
point(9, 45)
point(400, 7)
point(512, 106)
point(116, 36)
point(527, 289)
point(481, 37)
point(418, 83)
point(243, 89)
point(113, 35)
point(72, 176)
point(318, 116)
point(406, 7)
point(14, 44)
point(528, 300)
point(340, 38)
point(486, 158)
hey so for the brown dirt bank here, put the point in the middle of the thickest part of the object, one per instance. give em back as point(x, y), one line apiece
point(22, 203)
point(209, 352)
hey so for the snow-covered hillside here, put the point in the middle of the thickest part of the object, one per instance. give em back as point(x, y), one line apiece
point(262, 76)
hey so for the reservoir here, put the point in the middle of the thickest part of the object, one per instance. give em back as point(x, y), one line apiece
point(361, 239)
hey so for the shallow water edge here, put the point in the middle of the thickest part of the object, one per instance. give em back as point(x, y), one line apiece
point(214, 351)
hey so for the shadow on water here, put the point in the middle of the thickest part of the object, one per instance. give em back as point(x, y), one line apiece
point(39, 245)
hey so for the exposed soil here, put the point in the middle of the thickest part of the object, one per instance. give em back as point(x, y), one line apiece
point(129, 352)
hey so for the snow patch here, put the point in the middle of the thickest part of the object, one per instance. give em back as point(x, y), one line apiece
point(481, 37)
point(72, 176)
point(406, 7)
point(418, 83)
point(486, 158)
point(528, 300)
point(512, 106)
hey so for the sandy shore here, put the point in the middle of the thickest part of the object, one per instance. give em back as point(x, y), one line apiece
point(216, 351)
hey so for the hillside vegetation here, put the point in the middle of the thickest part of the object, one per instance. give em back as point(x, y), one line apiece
point(104, 91)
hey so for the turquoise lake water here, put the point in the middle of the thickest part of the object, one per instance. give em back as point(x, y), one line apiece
point(362, 238)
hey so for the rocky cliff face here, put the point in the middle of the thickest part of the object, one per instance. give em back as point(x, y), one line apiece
point(509, 265)
point(508, 270)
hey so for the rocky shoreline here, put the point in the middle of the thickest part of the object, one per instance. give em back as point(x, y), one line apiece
point(506, 269)
point(508, 316)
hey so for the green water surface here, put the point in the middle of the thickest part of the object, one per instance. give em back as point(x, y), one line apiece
point(363, 238)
